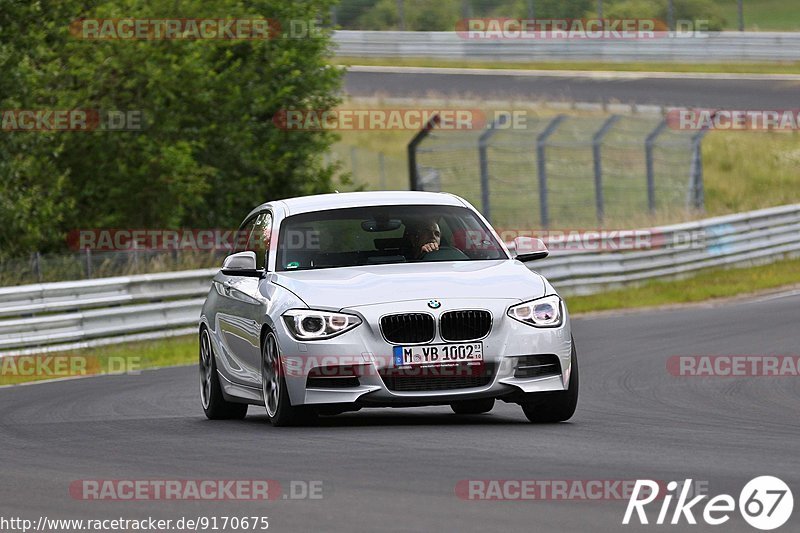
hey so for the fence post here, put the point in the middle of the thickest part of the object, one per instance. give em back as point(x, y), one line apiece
point(648, 152)
point(353, 162)
point(401, 14)
point(541, 143)
point(740, 10)
point(382, 168)
point(413, 175)
point(696, 187)
point(38, 265)
point(697, 192)
point(671, 15)
point(88, 262)
point(483, 158)
point(598, 165)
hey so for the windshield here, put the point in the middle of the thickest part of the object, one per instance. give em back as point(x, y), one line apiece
point(384, 235)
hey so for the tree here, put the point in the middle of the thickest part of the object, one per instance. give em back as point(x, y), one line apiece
point(208, 151)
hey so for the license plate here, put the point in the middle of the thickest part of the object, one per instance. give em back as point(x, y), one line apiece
point(438, 354)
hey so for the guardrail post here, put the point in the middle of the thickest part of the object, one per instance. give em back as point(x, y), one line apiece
point(483, 158)
point(413, 174)
point(648, 151)
point(541, 163)
point(598, 164)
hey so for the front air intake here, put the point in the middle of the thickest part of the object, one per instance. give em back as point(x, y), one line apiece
point(537, 366)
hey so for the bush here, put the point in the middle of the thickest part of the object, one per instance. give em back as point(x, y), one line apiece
point(209, 151)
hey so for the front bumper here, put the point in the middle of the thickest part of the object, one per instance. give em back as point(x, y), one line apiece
point(364, 352)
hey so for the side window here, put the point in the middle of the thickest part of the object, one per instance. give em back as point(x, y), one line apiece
point(259, 237)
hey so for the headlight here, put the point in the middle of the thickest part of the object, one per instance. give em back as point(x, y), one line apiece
point(309, 325)
point(542, 313)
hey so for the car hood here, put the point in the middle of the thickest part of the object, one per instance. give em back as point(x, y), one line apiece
point(337, 288)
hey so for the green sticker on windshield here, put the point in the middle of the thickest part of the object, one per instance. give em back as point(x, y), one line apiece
point(293, 264)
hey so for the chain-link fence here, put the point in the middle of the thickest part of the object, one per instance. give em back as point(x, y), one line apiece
point(370, 169)
point(415, 15)
point(39, 268)
point(567, 170)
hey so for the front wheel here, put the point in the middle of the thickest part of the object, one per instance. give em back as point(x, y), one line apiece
point(279, 408)
point(558, 406)
point(215, 406)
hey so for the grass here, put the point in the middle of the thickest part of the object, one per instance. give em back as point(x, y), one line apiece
point(649, 66)
point(132, 357)
point(750, 170)
point(762, 15)
point(706, 285)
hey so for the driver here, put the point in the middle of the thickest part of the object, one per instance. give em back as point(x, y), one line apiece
point(422, 237)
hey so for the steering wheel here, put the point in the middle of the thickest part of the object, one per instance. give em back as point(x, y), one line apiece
point(444, 253)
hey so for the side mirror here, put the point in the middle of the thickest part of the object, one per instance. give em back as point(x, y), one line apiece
point(241, 264)
point(529, 249)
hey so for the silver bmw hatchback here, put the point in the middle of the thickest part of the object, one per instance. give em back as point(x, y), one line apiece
point(336, 302)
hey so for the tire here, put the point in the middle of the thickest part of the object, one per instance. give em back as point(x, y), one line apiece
point(279, 408)
point(551, 407)
point(473, 407)
point(215, 406)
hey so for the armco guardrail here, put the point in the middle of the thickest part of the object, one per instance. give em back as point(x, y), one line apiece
point(734, 240)
point(66, 315)
point(712, 46)
point(57, 316)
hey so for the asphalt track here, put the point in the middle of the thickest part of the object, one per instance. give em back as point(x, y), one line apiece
point(738, 92)
point(397, 469)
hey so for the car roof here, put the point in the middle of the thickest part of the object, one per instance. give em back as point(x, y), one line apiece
point(321, 202)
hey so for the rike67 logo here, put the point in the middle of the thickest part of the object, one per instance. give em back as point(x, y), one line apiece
point(765, 503)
